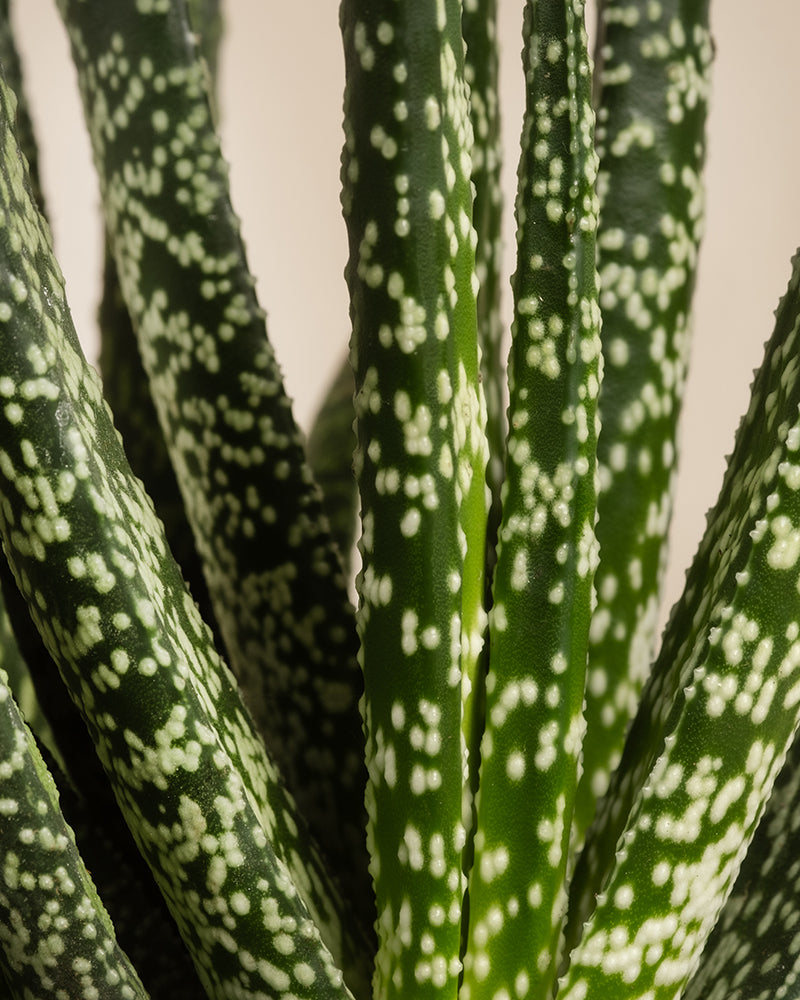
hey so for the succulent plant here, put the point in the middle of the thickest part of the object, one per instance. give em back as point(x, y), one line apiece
point(219, 778)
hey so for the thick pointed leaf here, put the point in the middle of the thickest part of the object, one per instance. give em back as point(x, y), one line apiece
point(273, 573)
point(547, 553)
point(56, 938)
point(716, 719)
point(201, 796)
point(481, 71)
point(420, 462)
point(654, 69)
point(127, 388)
point(753, 951)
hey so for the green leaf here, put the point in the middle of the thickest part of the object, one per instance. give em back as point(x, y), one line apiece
point(11, 657)
point(420, 461)
point(753, 950)
point(144, 927)
point(481, 72)
point(547, 553)
point(716, 719)
point(653, 68)
point(203, 801)
point(56, 939)
point(272, 570)
point(126, 387)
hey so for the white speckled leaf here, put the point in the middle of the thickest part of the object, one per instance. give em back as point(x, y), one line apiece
point(127, 388)
point(272, 570)
point(420, 462)
point(716, 719)
point(56, 939)
point(654, 67)
point(754, 951)
point(202, 799)
point(547, 553)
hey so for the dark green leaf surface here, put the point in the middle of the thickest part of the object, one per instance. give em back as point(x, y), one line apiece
point(56, 938)
point(199, 793)
point(272, 570)
point(654, 68)
point(330, 455)
point(717, 716)
point(127, 388)
point(67, 740)
point(13, 660)
point(754, 951)
point(249, 891)
point(420, 460)
point(547, 552)
point(144, 927)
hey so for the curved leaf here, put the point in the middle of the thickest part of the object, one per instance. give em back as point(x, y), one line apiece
point(716, 719)
point(56, 938)
point(273, 573)
point(753, 950)
point(198, 791)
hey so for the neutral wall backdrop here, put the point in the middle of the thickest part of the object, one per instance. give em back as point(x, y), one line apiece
point(282, 72)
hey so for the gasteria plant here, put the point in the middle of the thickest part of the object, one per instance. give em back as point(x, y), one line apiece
point(412, 799)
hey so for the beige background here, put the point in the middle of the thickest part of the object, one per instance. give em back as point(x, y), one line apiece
point(281, 105)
